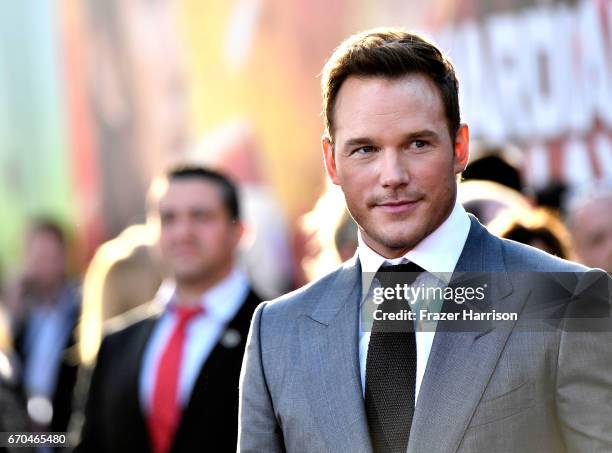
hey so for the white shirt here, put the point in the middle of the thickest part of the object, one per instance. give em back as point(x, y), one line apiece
point(221, 304)
point(48, 330)
point(438, 254)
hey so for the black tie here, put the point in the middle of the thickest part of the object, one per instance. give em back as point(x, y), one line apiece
point(391, 368)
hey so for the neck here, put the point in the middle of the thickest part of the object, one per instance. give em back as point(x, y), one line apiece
point(190, 292)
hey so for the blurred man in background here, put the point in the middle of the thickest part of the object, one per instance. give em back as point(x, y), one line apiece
point(124, 273)
point(167, 378)
point(537, 227)
point(591, 228)
point(45, 307)
point(487, 199)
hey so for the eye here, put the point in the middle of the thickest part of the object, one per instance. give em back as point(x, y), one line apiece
point(420, 145)
point(364, 150)
point(202, 215)
point(167, 218)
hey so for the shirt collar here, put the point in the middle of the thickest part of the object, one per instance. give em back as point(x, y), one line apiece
point(437, 253)
point(221, 301)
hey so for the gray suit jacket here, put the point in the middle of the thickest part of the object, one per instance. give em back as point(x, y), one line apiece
point(502, 389)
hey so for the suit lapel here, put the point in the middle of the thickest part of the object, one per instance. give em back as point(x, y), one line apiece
point(211, 382)
point(329, 337)
point(135, 353)
point(460, 364)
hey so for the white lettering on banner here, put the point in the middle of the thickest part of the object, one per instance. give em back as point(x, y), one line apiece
point(537, 74)
point(482, 106)
point(547, 85)
point(508, 59)
point(578, 110)
point(595, 67)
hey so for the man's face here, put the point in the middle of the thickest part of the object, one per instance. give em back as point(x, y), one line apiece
point(197, 236)
point(592, 233)
point(45, 259)
point(394, 159)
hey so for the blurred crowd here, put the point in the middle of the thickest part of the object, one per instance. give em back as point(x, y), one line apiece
point(53, 322)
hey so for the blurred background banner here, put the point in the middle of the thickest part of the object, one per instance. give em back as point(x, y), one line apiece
point(35, 154)
point(97, 96)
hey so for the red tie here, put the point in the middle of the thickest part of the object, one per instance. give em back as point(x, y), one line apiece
point(165, 408)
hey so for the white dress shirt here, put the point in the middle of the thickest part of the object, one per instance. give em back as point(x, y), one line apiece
point(221, 303)
point(47, 335)
point(438, 254)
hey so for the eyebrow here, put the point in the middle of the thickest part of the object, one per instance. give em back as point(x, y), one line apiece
point(361, 141)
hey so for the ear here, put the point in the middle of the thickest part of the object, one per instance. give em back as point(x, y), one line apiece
point(330, 160)
point(241, 231)
point(462, 148)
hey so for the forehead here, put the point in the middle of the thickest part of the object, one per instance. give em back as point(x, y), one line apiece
point(191, 193)
point(369, 105)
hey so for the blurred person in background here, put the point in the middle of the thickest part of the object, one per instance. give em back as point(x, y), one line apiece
point(166, 377)
point(487, 199)
point(496, 163)
point(345, 237)
point(45, 306)
point(588, 219)
point(124, 273)
point(329, 235)
point(539, 228)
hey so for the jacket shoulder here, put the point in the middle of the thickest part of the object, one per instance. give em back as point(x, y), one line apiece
point(121, 327)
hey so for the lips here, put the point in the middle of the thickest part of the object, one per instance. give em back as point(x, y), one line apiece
point(184, 250)
point(397, 206)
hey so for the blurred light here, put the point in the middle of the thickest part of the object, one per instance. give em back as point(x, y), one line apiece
point(40, 410)
point(6, 370)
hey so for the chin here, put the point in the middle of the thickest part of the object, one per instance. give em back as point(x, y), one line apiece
point(401, 236)
point(401, 243)
point(397, 241)
point(189, 275)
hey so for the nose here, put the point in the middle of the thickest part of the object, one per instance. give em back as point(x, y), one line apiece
point(393, 170)
point(182, 230)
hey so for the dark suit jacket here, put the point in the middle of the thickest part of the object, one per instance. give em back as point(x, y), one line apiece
point(114, 421)
point(67, 371)
point(13, 414)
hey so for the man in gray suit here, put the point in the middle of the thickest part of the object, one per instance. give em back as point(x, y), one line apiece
point(320, 375)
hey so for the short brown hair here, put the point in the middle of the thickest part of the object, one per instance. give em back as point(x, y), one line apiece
point(50, 226)
point(390, 53)
point(186, 170)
